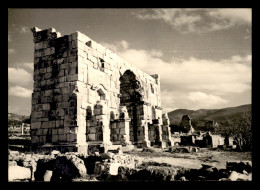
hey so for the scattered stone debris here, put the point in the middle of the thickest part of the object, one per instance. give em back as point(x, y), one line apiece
point(184, 149)
point(110, 166)
point(240, 166)
point(148, 150)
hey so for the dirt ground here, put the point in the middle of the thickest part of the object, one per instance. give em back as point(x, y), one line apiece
point(194, 160)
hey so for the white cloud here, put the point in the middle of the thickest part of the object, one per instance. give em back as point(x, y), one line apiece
point(185, 80)
point(11, 51)
point(18, 76)
point(205, 99)
point(18, 29)
point(28, 65)
point(19, 92)
point(172, 100)
point(235, 15)
point(226, 76)
point(118, 46)
point(124, 44)
point(198, 20)
point(156, 53)
point(24, 29)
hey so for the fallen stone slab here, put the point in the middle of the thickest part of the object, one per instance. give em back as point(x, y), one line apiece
point(18, 173)
point(184, 149)
point(108, 155)
point(64, 168)
point(47, 176)
point(13, 153)
point(235, 176)
point(240, 166)
point(148, 150)
point(69, 167)
point(12, 163)
point(42, 166)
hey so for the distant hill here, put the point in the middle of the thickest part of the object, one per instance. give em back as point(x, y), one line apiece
point(206, 114)
point(16, 117)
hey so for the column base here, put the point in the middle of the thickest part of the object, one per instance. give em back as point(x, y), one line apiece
point(62, 147)
point(143, 144)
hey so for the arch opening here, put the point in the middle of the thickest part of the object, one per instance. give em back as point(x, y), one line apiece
point(131, 96)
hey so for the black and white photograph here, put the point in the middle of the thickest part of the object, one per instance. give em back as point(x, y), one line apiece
point(129, 94)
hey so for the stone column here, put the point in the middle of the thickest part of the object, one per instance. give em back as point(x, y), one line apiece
point(22, 128)
point(158, 127)
point(100, 112)
point(142, 135)
point(124, 125)
point(166, 130)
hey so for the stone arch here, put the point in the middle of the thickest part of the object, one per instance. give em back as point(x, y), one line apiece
point(132, 93)
point(101, 90)
point(101, 94)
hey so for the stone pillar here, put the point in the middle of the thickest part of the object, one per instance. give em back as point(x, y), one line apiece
point(166, 136)
point(124, 125)
point(22, 128)
point(186, 124)
point(158, 127)
point(142, 135)
point(100, 112)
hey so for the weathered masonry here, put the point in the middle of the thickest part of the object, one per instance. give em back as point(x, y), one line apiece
point(84, 94)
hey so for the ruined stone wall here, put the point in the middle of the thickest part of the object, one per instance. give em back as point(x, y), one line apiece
point(77, 92)
point(186, 124)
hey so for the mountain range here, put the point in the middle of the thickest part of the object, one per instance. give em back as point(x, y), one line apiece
point(206, 114)
point(16, 117)
point(176, 115)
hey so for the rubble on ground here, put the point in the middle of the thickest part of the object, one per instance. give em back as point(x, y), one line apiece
point(115, 167)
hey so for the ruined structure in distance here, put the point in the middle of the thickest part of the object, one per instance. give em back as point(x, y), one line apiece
point(84, 95)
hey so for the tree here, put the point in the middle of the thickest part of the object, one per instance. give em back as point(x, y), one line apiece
point(238, 126)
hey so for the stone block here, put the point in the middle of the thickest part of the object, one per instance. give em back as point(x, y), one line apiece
point(47, 75)
point(34, 139)
point(92, 44)
point(62, 137)
point(52, 124)
point(60, 112)
point(18, 173)
point(122, 131)
point(113, 168)
point(55, 138)
point(116, 131)
point(91, 137)
point(36, 125)
point(39, 132)
point(64, 105)
point(64, 90)
point(71, 137)
point(48, 93)
point(60, 131)
point(62, 79)
point(98, 111)
point(46, 106)
point(54, 131)
point(45, 125)
point(42, 139)
point(72, 78)
point(92, 130)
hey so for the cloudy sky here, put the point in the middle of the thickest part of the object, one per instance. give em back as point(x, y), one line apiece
point(202, 55)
